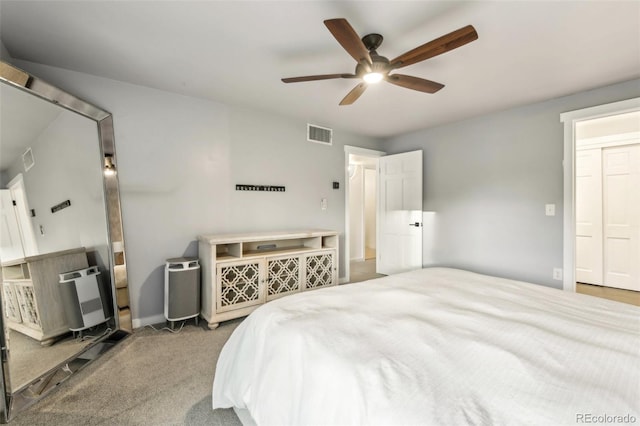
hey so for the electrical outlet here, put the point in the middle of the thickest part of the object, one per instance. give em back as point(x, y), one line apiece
point(323, 204)
point(557, 274)
point(550, 209)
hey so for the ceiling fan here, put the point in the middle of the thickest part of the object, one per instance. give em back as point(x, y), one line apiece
point(373, 68)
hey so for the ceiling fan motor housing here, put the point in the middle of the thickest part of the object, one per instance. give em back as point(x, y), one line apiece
point(379, 64)
point(372, 41)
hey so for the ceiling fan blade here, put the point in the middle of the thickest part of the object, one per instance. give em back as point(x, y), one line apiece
point(414, 83)
point(316, 77)
point(436, 47)
point(348, 39)
point(354, 94)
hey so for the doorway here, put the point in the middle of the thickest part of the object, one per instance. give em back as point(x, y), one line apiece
point(363, 177)
point(607, 156)
point(600, 162)
point(17, 238)
point(360, 213)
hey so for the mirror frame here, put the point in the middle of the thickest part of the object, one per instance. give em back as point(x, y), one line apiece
point(13, 402)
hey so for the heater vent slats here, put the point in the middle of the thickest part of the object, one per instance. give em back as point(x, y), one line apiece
point(319, 134)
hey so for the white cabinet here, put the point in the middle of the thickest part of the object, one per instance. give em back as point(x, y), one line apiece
point(32, 300)
point(242, 271)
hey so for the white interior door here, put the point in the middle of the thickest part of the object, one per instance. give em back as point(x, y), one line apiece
point(19, 196)
point(10, 241)
point(589, 216)
point(399, 246)
point(621, 211)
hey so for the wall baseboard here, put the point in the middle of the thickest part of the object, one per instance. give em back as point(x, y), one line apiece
point(157, 319)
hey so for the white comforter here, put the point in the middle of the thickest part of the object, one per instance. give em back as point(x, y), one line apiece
point(434, 347)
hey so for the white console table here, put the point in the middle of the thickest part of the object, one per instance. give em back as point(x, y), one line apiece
point(242, 271)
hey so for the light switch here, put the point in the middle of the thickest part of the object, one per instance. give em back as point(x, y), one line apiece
point(550, 209)
point(323, 204)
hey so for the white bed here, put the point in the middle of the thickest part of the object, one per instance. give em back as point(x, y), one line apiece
point(435, 346)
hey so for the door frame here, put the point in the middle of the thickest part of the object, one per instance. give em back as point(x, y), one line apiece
point(364, 152)
point(570, 119)
point(25, 225)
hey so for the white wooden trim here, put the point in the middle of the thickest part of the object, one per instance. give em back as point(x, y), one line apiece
point(365, 152)
point(27, 233)
point(608, 141)
point(17, 179)
point(570, 118)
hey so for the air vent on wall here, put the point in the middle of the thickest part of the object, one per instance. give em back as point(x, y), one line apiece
point(319, 134)
point(28, 160)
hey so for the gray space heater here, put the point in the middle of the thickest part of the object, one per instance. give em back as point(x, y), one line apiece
point(182, 289)
point(84, 298)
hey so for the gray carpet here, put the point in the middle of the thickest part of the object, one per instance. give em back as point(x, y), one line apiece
point(150, 378)
point(29, 359)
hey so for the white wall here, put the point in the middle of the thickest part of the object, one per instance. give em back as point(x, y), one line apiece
point(370, 207)
point(65, 150)
point(356, 214)
point(4, 53)
point(486, 183)
point(179, 159)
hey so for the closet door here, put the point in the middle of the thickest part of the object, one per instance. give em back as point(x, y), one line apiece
point(621, 214)
point(589, 216)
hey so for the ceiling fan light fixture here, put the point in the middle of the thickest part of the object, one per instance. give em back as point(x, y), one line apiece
point(372, 77)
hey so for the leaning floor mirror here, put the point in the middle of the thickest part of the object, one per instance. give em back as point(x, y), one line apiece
point(63, 267)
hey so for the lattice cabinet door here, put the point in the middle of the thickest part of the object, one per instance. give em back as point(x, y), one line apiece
point(283, 276)
point(321, 269)
point(25, 295)
point(239, 284)
point(11, 308)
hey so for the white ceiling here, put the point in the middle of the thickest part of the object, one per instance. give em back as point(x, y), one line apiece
point(236, 52)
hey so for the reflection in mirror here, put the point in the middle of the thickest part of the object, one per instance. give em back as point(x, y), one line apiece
point(57, 226)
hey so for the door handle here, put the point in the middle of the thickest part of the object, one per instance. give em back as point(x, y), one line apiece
point(416, 224)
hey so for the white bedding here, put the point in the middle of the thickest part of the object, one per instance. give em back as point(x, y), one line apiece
point(436, 346)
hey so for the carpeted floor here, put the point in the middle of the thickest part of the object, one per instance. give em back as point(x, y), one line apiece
point(29, 359)
point(150, 378)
